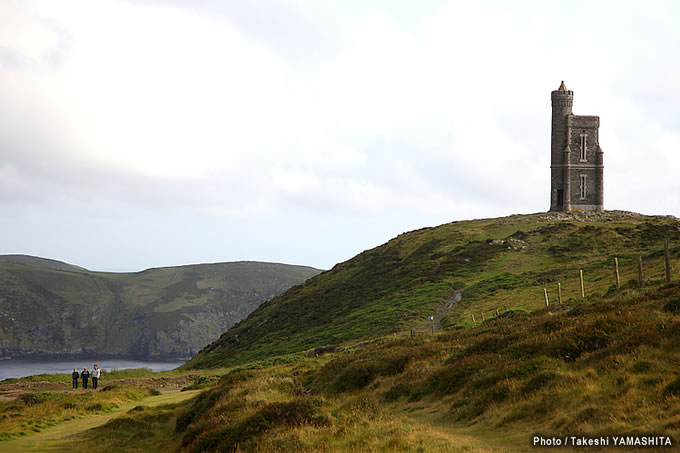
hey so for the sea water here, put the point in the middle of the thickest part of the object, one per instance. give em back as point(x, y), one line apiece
point(16, 368)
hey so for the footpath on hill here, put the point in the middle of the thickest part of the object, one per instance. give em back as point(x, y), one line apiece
point(54, 439)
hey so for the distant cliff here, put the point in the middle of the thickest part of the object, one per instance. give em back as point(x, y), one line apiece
point(51, 309)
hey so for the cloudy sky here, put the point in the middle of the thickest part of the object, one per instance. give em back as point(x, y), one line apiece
point(137, 134)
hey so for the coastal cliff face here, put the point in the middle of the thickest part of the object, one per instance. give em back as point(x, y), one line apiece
point(58, 310)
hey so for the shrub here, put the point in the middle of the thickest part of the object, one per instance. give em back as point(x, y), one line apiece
point(201, 382)
point(183, 421)
point(490, 344)
point(125, 424)
point(454, 376)
point(95, 407)
point(642, 367)
point(396, 392)
point(235, 376)
point(581, 339)
point(672, 306)
point(540, 381)
point(202, 404)
point(110, 388)
point(530, 367)
point(355, 371)
point(500, 393)
point(355, 376)
point(673, 388)
point(272, 415)
point(589, 414)
point(651, 382)
point(33, 399)
point(525, 349)
point(469, 409)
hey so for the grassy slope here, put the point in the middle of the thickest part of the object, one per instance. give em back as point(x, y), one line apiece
point(171, 310)
point(40, 262)
point(504, 262)
point(59, 437)
point(34, 412)
point(263, 410)
point(603, 367)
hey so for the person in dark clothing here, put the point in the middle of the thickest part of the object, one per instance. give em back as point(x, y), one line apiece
point(75, 377)
point(85, 376)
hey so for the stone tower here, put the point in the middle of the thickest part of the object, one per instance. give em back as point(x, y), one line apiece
point(576, 165)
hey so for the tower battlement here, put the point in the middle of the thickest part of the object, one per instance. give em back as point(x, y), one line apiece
point(562, 98)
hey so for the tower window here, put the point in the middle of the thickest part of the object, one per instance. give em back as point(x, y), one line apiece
point(583, 147)
point(583, 187)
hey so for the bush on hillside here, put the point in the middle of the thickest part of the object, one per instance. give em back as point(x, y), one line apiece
point(673, 306)
point(354, 371)
point(240, 435)
point(33, 399)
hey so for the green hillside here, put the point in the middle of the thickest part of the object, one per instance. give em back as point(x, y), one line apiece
point(498, 264)
point(368, 374)
point(603, 368)
point(606, 367)
point(50, 308)
point(40, 262)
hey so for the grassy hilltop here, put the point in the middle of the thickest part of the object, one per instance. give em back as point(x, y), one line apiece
point(331, 365)
point(496, 263)
point(50, 308)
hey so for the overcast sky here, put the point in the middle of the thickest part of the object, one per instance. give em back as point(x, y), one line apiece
point(138, 134)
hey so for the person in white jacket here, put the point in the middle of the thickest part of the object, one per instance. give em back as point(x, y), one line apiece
point(96, 372)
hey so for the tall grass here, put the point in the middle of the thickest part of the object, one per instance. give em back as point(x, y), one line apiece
point(498, 263)
point(609, 366)
point(35, 411)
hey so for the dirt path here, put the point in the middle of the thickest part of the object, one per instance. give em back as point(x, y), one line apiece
point(442, 309)
point(482, 438)
point(53, 439)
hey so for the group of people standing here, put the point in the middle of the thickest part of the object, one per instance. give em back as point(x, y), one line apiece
point(85, 377)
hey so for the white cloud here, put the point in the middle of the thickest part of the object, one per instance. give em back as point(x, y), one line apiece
point(359, 120)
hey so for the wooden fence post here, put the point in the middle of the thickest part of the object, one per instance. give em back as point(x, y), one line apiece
point(497, 312)
point(616, 272)
point(640, 271)
point(473, 317)
point(545, 292)
point(482, 316)
point(667, 259)
point(580, 276)
point(559, 292)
